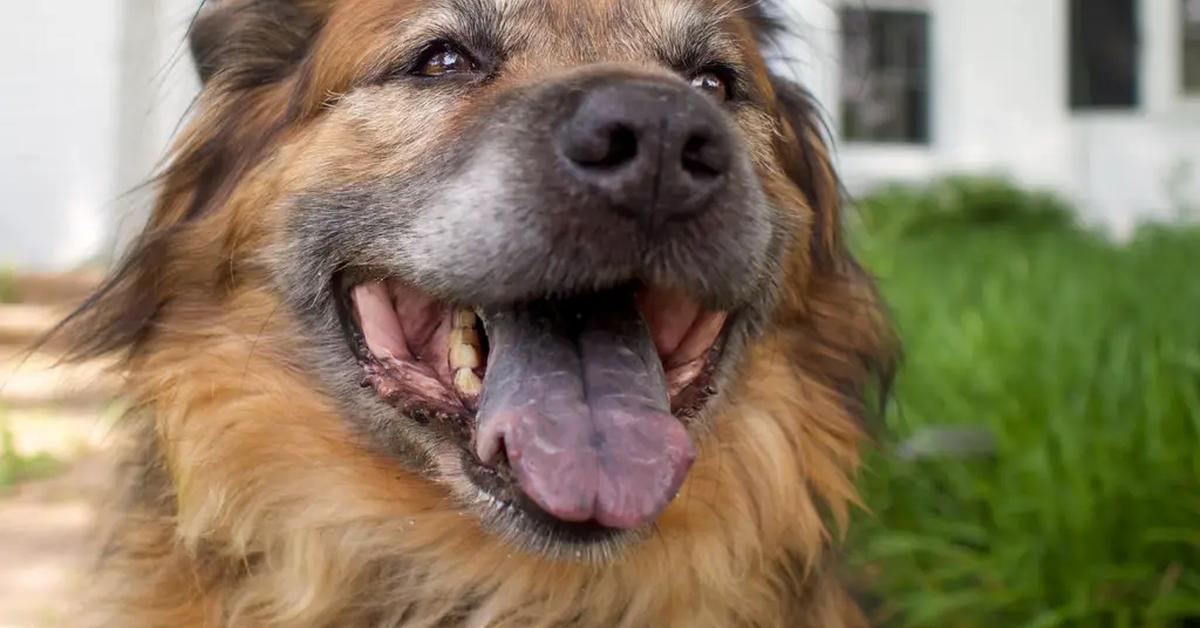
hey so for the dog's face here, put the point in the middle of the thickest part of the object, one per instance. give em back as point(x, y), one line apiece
point(528, 244)
point(528, 240)
point(539, 233)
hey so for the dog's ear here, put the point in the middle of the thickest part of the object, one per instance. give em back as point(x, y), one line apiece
point(245, 51)
point(803, 144)
point(849, 331)
point(252, 42)
point(808, 163)
point(845, 325)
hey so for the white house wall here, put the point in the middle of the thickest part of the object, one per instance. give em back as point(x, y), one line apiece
point(1133, 167)
point(86, 106)
point(999, 105)
point(57, 128)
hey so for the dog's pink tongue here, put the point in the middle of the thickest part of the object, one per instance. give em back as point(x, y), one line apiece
point(576, 398)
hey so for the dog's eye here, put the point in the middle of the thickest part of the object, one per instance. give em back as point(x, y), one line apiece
point(443, 58)
point(713, 82)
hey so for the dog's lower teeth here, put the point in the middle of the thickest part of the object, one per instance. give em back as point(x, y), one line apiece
point(467, 382)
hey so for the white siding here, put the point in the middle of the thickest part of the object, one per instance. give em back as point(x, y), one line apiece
point(84, 112)
point(1000, 106)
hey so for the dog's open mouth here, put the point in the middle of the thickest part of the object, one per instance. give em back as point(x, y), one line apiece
point(582, 400)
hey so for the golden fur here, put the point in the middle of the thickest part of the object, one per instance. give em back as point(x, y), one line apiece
point(245, 500)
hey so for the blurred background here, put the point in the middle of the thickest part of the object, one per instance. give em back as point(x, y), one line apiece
point(1026, 184)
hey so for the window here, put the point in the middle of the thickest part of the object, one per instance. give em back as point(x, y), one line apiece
point(885, 76)
point(1191, 46)
point(1104, 54)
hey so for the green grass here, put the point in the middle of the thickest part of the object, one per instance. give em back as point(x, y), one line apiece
point(16, 467)
point(1077, 363)
point(8, 291)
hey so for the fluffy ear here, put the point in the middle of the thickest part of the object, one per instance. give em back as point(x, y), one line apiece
point(842, 319)
point(808, 164)
point(846, 316)
point(245, 51)
point(252, 42)
point(803, 144)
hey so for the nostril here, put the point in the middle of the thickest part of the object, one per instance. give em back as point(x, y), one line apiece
point(608, 147)
point(702, 158)
point(624, 146)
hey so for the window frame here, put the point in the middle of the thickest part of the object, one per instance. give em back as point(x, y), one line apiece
point(1189, 34)
point(924, 138)
point(1140, 80)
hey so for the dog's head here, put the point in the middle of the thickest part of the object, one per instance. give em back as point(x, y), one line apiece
point(526, 246)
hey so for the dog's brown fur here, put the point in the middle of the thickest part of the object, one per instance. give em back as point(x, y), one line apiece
point(246, 499)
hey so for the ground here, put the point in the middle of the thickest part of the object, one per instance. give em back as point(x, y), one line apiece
point(55, 425)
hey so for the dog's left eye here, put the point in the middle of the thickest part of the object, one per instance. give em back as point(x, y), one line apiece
point(713, 82)
point(443, 58)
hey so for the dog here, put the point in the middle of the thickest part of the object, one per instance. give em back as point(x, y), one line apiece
point(497, 313)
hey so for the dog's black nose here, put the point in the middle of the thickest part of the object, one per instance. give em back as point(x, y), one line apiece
point(655, 151)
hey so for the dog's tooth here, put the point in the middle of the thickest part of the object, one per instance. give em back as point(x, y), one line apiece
point(468, 337)
point(464, 356)
point(464, 349)
point(467, 382)
point(464, 319)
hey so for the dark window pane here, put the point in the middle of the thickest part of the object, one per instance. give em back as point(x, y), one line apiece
point(1104, 53)
point(1191, 46)
point(885, 76)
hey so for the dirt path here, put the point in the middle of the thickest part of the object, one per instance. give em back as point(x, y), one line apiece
point(63, 413)
point(44, 533)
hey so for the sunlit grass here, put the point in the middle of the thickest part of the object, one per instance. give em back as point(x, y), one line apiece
point(16, 467)
point(1079, 361)
point(8, 291)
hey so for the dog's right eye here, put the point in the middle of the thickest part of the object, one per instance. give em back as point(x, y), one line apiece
point(443, 58)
